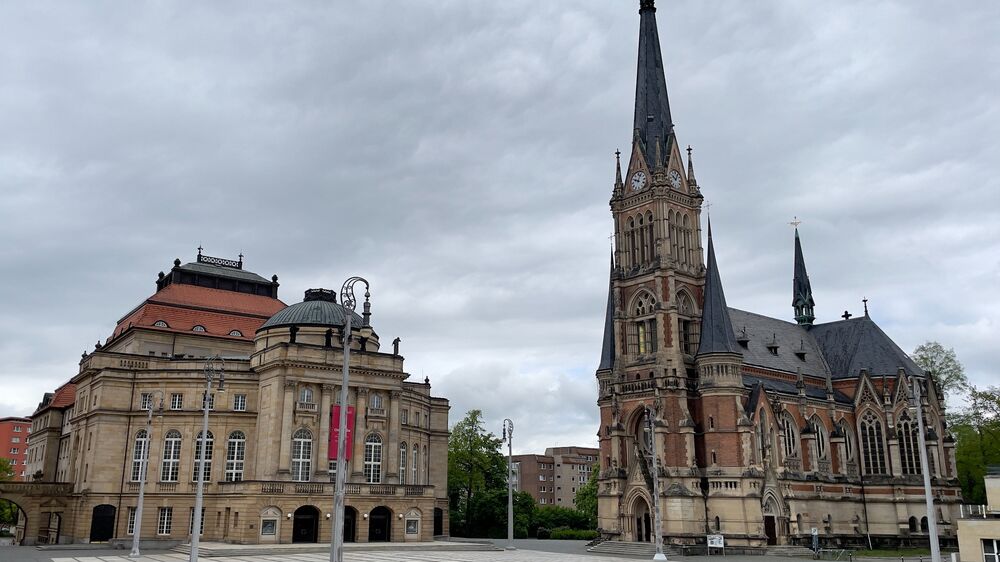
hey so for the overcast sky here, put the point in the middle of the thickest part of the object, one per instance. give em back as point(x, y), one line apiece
point(459, 155)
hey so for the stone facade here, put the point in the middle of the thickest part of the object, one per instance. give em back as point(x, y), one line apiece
point(762, 429)
point(268, 479)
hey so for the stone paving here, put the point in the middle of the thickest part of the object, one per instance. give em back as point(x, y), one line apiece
point(388, 556)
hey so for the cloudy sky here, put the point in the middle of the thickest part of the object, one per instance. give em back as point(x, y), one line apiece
point(459, 154)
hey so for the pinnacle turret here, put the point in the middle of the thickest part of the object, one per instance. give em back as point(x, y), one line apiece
point(608, 346)
point(716, 328)
point(802, 299)
point(652, 108)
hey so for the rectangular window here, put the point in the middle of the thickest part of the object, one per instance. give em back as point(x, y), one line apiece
point(130, 527)
point(211, 401)
point(164, 521)
point(13, 450)
point(176, 401)
point(15, 439)
point(991, 550)
point(145, 401)
point(17, 429)
point(332, 471)
point(404, 416)
point(239, 402)
point(201, 527)
point(236, 452)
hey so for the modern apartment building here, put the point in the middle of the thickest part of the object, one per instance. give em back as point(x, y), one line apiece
point(555, 477)
point(14, 444)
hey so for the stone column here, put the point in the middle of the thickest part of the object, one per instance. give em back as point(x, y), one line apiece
point(360, 431)
point(323, 460)
point(392, 466)
point(287, 419)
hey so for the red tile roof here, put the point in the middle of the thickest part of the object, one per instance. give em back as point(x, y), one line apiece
point(220, 312)
point(65, 396)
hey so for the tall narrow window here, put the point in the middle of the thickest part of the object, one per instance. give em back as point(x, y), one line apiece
point(302, 455)
point(643, 243)
point(170, 467)
point(375, 401)
point(909, 454)
point(306, 395)
point(791, 436)
point(402, 463)
point(762, 434)
point(426, 467)
point(130, 526)
point(373, 459)
point(633, 252)
point(207, 469)
point(872, 446)
point(650, 239)
point(848, 439)
point(416, 462)
point(201, 526)
point(822, 447)
point(164, 521)
point(140, 450)
point(145, 401)
point(642, 329)
point(236, 452)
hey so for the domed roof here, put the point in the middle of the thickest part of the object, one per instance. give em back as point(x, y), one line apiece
point(319, 308)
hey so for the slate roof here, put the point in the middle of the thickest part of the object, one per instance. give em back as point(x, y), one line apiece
point(858, 343)
point(716, 327)
point(801, 289)
point(761, 331)
point(652, 108)
point(608, 346)
point(222, 271)
point(788, 388)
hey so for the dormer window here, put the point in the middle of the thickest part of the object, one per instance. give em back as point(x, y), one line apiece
point(743, 338)
point(198, 328)
point(801, 351)
point(236, 333)
point(160, 324)
point(772, 345)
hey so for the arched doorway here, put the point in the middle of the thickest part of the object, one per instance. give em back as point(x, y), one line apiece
point(438, 521)
point(13, 521)
point(771, 512)
point(305, 524)
point(380, 524)
point(643, 525)
point(350, 524)
point(102, 524)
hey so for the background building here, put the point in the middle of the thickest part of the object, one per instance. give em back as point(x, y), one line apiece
point(267, 476)
point(554, 478)
point(14, 444)
point(763, 428)
point(536, 475)
point(979, 527)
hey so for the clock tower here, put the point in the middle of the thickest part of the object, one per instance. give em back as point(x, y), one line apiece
point(653, 316)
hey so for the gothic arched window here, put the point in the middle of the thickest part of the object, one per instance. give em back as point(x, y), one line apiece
point(672, 231)
point(687, 324)
point(848, 433)
point(170, 467)
point(791, 436)
point(685, 239)
point(643, 243)
point(641, 331)
point(630, 243)
point(872, 446)
point(909, 455)
point(236, 454)
point(650, 236)
point(209, 442)
point(140, 449)
point(373, 459)
point(302, 455)
point(762, 436)
point(822, 444)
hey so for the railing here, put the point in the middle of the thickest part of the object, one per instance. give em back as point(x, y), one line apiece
point(272, 488)
point(793, 464)
point(638, 386)
point(322, 488)
point(309, 488)
point(166, 486)
point(305, 406)
point(376, 412)
point(131, 486)
point(978, 511)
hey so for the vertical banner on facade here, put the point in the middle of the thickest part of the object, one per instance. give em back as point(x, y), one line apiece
point(335, 431)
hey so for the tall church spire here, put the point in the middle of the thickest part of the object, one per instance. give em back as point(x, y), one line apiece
point(652, 109)
point(716, 328)
point(608, 347)
point(802, 299)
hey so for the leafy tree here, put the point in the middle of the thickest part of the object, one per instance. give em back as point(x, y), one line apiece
point(6, 469)
point(554, 516)
point(977, 434)
point(475, 465)
point(8, 509)
point(488, 514)
point(586, 499)
point(943, 365)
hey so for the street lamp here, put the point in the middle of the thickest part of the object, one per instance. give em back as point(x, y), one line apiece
point(508, 436)
point(654, 461)
point(922, 446)
point(349, 303)
point(137, 525)
point(215, 366)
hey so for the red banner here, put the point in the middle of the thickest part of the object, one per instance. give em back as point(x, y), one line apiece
point(335, 431)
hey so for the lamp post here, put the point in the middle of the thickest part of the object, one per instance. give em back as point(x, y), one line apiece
point(349, 303)
point(508, 436)
point(654, 462)
point(215, 366)
point(928, 497)
point(137, 525)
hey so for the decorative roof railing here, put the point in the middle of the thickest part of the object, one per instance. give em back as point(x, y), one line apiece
point(211, 260)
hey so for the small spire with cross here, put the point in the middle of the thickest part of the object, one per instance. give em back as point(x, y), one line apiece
point(795, 222)
point(199, 249)
point(865, 301)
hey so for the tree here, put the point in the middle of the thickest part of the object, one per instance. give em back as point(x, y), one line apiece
point(6, 469)
point(977, 434)
point(943, 365)
point(475, 465)
point(8, 509)
point(586, 498)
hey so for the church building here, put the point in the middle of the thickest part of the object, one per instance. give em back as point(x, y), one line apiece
point(764, 428)
point(267, 471)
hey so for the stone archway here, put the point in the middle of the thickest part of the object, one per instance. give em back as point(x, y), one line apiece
point(773, 522)
point(380, 524)
point(44, 510)
point(641, 520)
point(305, 524)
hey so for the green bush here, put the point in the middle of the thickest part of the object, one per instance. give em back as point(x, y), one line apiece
point(565, 534)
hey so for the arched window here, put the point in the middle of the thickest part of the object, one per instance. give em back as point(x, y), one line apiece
point(198, 328)
point(426, 467)
point(687, 324)
point(791, 436)
point(631, 248)
point(718, 523)
point(643, 440)
point(161, 324)
point(171, 465)
point(913, 524)
point(373, 459)
point(416, 462)
point(643, 243)
point(641, 331)
point(302, 455)
point(822, 445)
point(909, 455)
point(762, 435)
point(306, 395)
point(402, 463)
point(209, 443)
point(140, 450)
point(924, 527)
point(236, 454)
point(684, 239)
point(848, 434)
point(236, 333)
point(872, 446)
point(375, 401)
point(650, 236)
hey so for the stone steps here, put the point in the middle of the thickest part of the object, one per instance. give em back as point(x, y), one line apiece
point(621, 548)
point(789, 550)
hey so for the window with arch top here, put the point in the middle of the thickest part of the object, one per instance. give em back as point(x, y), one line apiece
point(209, 442)
point(822, 443)
point(302, 455)
point(872, 445)
point(373, 459)
point(791, 436)
point(306, 395)
point(140, 450)
point(375, 400)
point(909, 454)
point(236, 453)
point(687, 320)
point(170, 466)
point(641, 331)
point(402, 463)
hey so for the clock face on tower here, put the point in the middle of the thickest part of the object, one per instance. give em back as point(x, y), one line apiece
point(638, 180)
point(675, 178)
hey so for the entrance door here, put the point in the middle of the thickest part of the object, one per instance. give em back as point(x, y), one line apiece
point(102, 524)
point(379, 524)
point(642, 526)
point(770, 530)
point(305, 527)
point(350, 524)
point(438, 521)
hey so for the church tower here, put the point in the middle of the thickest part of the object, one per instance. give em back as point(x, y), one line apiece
point(653, 322)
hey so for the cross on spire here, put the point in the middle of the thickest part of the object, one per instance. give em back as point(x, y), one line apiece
point(795, 222)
